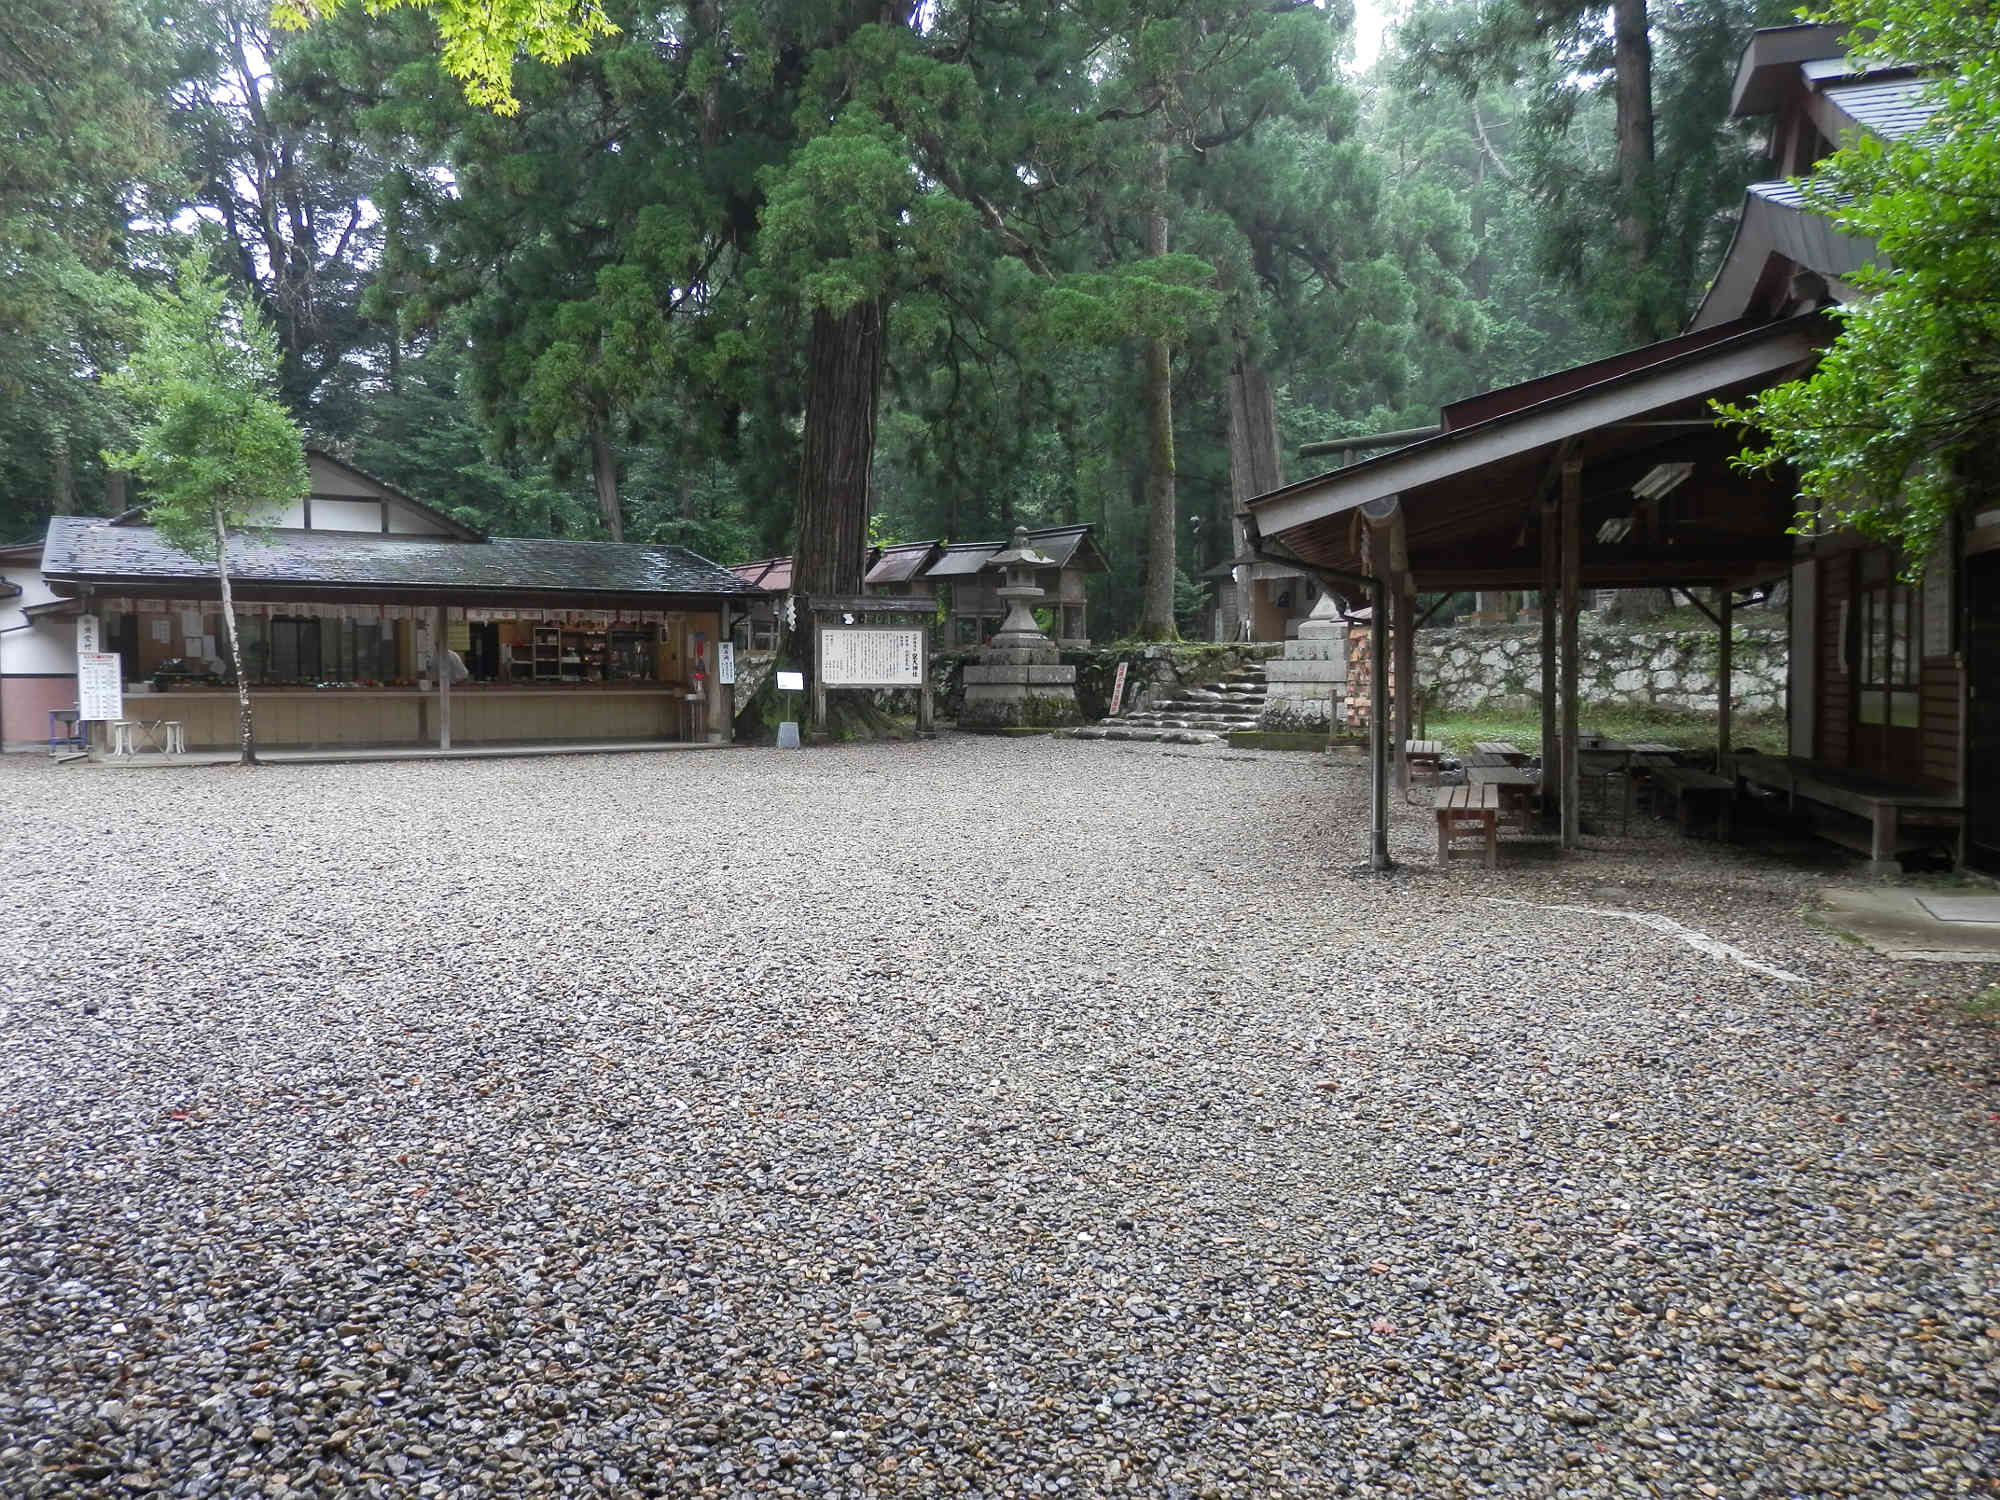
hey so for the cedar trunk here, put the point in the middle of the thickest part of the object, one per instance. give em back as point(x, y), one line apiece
point(843, 380)
point(248, 732)
point(1632, 60)
point(1156, 619)
point(604, 475)
point(1255, 468)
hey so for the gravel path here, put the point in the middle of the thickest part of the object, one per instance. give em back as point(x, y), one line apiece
point(993, 1117)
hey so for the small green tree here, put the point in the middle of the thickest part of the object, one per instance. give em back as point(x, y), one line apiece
point(215, 448)
point(1897, 426)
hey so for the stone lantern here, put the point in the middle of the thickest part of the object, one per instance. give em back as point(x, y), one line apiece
point(1019, 681)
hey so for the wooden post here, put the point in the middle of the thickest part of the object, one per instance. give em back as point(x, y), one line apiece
point(1551, 750)
point(439, 647)
point(1378, 727)
point(1724, 650)
point(1572, 567)
point(817, 698)
point(1402, 625)
point(926, 700)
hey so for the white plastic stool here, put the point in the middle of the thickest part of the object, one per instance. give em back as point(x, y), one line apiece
point(122, 731)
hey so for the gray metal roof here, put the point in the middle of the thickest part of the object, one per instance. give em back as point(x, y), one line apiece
point(91, 549)
point(1889, 107)
point(963, 559)
point(900, 563)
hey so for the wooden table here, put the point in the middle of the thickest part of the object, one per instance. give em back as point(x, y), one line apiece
point(1509, 752)
point(1517, 790)
point(1608, 763)
point(1469, 811)
point(1689, 786)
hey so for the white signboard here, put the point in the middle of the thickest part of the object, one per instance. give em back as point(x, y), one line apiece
point(791, 682)
point(100, 686)
point(725, 662)
point(871, 658)
point(89, 635)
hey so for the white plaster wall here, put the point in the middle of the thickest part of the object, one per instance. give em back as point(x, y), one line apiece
point(346, 515)
point(46, 647)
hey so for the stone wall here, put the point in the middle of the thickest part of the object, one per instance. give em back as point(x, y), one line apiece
point(1472, 667)
point(1154, 673)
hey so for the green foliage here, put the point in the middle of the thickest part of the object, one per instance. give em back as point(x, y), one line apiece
point(479, 40)
point(214, 446)
point(1190, 599)
point(1897, 426)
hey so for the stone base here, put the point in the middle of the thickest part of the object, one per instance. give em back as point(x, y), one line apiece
point(998, 707)
point(1289, 714)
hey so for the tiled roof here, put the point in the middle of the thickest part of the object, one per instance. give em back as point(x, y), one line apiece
point(963, 559)
point(88, 547)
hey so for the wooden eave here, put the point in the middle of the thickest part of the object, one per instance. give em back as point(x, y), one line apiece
point(1472, 500)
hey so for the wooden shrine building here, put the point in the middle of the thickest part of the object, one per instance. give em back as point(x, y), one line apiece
point(1615, 474)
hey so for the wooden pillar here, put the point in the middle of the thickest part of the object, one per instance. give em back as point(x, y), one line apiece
point(1572, 567)
point(1378, 728)
point(1551, 750)
point(1402, 627)
point(440, 644)
point(1724, 651)
point(926, 698)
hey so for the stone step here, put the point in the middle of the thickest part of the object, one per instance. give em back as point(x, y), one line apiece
point(1208, 723)
point(1144, 734)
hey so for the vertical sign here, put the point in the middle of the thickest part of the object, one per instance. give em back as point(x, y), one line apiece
point(100, 687)
point(89, 635)
point(1118, 689)
point(725, 663)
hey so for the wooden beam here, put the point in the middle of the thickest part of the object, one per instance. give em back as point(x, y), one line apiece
point(1378, 725)
point(1572, 557)
point(1402, 627)
point(439, 647)
point(1551, 582)
point(1724, 651)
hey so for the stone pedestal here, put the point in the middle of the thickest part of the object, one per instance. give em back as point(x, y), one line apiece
point(1019, 681)
point(1305, 686)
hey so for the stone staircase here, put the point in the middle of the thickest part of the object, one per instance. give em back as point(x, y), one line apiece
point(1194, 716)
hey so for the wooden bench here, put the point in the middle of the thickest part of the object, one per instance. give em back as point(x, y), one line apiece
point(1687, 787)
point(1469, 811)
point(1517, 790)
point(1509, 752)
point(1898, 817)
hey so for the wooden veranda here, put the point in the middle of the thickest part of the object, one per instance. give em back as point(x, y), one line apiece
point(1609, 475)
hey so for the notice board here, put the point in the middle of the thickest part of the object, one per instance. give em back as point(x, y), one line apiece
point(868, 657)
point(100, 685)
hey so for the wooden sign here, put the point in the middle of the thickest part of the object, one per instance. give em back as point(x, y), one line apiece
point(864, 657)
point(89, 635)
point(1118, 689)
point(100, 685)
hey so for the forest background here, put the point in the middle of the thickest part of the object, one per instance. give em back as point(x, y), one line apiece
point(1090, 261)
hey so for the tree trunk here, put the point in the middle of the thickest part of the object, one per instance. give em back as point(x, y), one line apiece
point(1256, 467)
point(1156, 616)
point(604, 476)
point(62, 478)
point(843, 380)
point(235, 644)
point(1633, 68)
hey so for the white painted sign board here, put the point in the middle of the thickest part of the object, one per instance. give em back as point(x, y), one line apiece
point(100, 685)
point(725, 663)
point(791, 682)
point(871, 658)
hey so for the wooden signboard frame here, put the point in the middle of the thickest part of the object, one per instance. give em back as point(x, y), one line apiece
point(832, 617)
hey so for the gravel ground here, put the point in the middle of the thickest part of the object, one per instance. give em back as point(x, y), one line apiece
point(993, 1117)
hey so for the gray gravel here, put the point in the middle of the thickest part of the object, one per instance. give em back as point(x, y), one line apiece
point(986, 1117)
